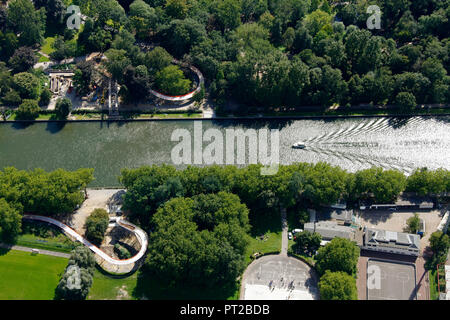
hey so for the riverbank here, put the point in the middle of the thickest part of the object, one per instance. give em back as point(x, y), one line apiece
point(193, 116)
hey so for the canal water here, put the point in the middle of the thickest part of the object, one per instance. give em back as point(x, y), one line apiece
point(353, 144)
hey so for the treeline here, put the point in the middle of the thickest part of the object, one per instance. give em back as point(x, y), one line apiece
point(290, 53)
point(302, 183)
point(199, 241)
point(269, 53)
point(38, 192)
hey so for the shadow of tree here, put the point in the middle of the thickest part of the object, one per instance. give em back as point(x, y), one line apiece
point(149, 287)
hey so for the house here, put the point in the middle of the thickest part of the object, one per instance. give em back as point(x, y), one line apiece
point(391, 242)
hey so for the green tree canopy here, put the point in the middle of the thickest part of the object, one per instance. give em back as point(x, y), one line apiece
point(337, 286)
point(338, 255)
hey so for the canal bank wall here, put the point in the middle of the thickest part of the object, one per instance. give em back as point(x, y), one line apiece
point(330, 117)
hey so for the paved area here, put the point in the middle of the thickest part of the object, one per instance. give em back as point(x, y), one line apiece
point(397, 281)
point(284, 233)
point(279, 277)
point(396, 221)
point(41, 251)
point(96, 199)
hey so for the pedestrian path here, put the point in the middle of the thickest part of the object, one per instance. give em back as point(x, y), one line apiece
point(41, 251)
point(140, 234)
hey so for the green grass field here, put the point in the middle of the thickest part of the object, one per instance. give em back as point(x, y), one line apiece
point(270, 228)
point(29, 277)
point(107, 287)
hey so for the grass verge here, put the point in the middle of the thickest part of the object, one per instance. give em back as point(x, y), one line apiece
point(24, 276)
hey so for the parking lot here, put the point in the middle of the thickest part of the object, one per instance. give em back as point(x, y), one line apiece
point(397, 280)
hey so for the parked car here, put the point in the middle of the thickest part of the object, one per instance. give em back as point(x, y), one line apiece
point(290, 236)
point(297, 231)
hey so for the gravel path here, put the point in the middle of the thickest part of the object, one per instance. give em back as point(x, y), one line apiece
point(41, 251)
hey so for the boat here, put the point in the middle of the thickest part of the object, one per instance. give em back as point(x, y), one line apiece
point(299, 145)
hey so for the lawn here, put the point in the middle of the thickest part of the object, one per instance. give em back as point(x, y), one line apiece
point(59, 244)
point(265, 237)
point(107, 287)
point(47, 46)
point(29, 277)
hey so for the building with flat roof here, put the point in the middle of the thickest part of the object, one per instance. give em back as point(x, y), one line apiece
point(329, 230)
point(391, 242)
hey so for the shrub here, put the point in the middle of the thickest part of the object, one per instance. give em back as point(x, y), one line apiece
point(28, 110)
point(122, 252)
point(96, 225)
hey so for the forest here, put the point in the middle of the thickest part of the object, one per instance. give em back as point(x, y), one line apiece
point(273, 55)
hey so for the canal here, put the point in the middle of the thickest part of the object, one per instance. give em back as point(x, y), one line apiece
point(352, 143)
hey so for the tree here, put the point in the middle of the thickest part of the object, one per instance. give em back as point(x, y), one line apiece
point(77, 278)
point(116, 63)
point(27, 85)
point(413, 224)
point(177, 9)
point(96, 225)
point(83, 258)
point(383, 185)
point(428, 182)
point(180, 35)
point(406, 101)
point(337, 286)
point(229, 14)
point(23, 59)
point(143, 18)
point(338, 255)
point(28, 110)
point(63, 108)
point(26, 21)
point(199, 241)
point(171, 80)
point(85, 73)
point(63, 49)
point(10, 221)
point(440, 244)
point(308, 242)
point(45, 97)
point(157, 59)
point(45, 193)
point(74, 284)
point(12, 98)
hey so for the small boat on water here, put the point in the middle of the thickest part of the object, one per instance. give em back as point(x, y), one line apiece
point(299, 145)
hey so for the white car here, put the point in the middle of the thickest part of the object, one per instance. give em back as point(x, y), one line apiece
point(296, 231)
point(290, 236)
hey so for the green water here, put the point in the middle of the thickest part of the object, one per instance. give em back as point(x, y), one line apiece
point(351, 143)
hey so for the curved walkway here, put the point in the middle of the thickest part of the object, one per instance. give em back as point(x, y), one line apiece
point(201, 81)
point(140, 234)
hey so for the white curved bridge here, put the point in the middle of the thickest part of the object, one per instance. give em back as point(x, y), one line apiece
point(140, 234)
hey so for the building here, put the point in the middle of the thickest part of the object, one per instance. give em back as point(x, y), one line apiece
point(344, 217)
point(329, 230)
point(391, 242)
